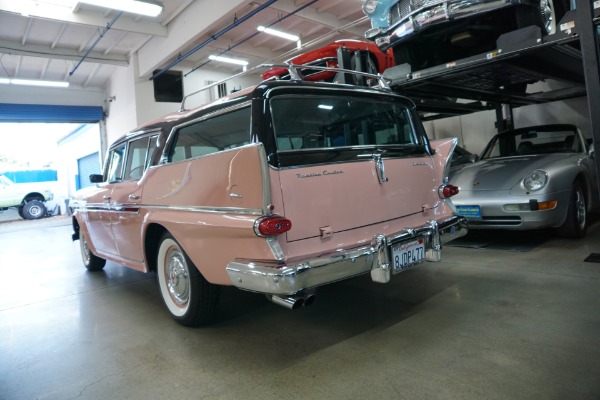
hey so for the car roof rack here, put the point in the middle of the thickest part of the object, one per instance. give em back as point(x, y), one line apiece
point(295, 75)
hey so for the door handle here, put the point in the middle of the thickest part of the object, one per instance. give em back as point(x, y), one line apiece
point(378, 160)
point(134, 197)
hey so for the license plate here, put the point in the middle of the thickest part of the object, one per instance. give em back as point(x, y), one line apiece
point(408, 254)
point(469, 211)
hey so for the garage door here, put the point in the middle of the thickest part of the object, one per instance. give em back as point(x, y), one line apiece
point(48, 113)
point(86, 166)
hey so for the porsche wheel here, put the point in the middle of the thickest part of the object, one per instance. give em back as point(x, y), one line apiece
point(575, 225)
point(188, 296)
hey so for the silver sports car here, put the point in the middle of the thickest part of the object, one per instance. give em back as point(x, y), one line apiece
point(530, 178)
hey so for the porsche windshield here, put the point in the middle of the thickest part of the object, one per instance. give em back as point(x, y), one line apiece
point(537, 140)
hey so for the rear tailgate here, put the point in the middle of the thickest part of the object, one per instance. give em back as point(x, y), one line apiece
point(325, 199)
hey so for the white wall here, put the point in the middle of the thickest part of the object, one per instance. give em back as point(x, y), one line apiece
point(84, 142)
point(134, 102)
point(122, 111)
point(72, 96)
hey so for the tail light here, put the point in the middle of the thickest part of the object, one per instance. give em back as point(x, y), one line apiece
point(273, 225)
point(448, 191)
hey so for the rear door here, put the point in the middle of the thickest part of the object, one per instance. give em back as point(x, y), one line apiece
point(347, 163)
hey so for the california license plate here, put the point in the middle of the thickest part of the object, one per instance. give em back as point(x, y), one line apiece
point(469, 211)
point(408, 254)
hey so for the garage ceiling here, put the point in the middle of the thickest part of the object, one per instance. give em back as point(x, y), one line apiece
point(47, 39)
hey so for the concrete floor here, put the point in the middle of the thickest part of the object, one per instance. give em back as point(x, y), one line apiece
point(482, 324)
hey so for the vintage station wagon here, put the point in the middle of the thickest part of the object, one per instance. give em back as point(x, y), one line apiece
point(277, 189)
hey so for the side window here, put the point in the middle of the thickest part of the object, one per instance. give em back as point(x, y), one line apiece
point(139, 155)
point(151, 147)
point(225, 131)
point(115, 164)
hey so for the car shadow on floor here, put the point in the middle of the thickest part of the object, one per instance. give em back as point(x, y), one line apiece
point(503, 240)
point(506, 240)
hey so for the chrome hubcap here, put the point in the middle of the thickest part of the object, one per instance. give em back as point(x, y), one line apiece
point(85, 250)
point(177, 277)
point(35, 211)
point(580, 209)
point(547, 15)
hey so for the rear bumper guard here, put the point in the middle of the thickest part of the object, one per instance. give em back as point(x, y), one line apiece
point(291, 279)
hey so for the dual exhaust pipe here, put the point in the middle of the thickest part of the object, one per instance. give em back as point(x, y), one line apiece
point(293, 302)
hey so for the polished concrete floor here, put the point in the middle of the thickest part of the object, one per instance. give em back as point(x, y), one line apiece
point(482, 324)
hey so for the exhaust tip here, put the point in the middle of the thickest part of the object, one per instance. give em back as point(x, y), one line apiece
point(298, 303)
point(291, 303)
point(309, 300)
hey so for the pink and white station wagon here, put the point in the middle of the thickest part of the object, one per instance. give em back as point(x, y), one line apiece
point(277, 189)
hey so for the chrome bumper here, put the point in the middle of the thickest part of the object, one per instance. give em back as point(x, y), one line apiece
point(291, 279)
point(431, 13)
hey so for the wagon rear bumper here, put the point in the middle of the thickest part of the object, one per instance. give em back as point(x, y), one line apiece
point(375, 258)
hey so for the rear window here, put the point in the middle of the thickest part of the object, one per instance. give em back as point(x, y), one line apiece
point(316, 122)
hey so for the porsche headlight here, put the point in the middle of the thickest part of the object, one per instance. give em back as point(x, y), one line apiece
point(536, 180)
point(369, 6)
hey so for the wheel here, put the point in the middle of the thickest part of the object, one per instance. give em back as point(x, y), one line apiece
point(188, 296)
point(575, 225)
point(34, 209)
point(20, 211)
point(546, 14)
point(90, 261)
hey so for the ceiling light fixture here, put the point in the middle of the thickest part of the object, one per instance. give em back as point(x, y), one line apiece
point(229, 60)
point(280, 34)
point(32, 82)
point(131, 6)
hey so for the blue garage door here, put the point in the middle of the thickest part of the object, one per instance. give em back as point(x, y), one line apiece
point(86, 166)
point(47, 113)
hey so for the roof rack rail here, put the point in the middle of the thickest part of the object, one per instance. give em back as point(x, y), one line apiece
point(295, 75)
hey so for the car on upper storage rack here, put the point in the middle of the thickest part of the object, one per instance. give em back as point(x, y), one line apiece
point(426, 33)
point(374, 61)
point(276, 189)
point(530, 178)
point(27, 198)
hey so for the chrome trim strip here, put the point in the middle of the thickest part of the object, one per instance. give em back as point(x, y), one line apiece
point(284, 279)
point(266, 179)
point(208, 210)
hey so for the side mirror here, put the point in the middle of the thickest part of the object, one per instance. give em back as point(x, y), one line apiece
point(473, 158)
point(96, 178)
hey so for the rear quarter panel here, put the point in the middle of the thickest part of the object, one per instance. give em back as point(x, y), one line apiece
point(209, 204)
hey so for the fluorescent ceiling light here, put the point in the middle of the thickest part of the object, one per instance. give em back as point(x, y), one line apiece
point(274, 32)
point(32, 82)
point(325, 107)
point(131, 6)
point(228, 60)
